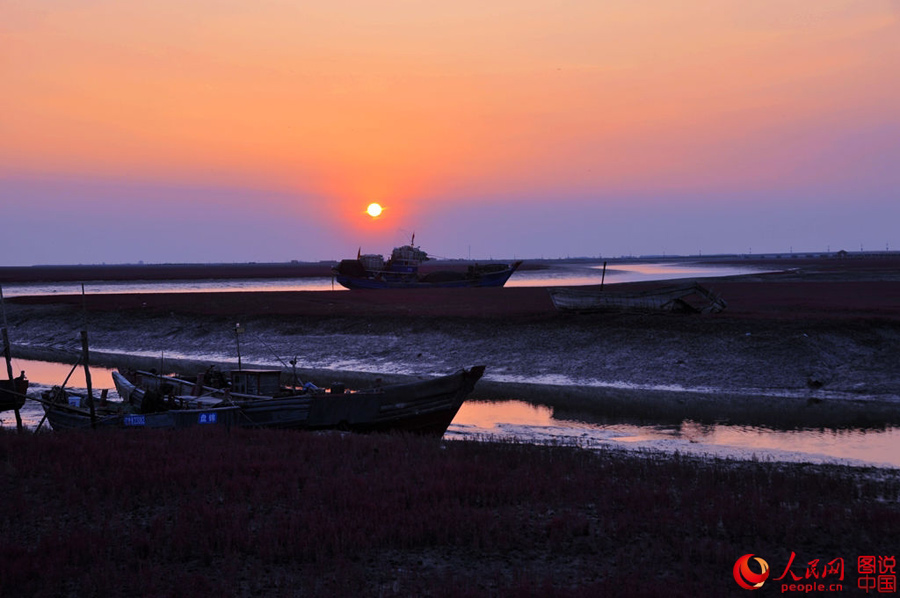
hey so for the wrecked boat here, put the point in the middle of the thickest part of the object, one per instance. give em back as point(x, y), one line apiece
point(686, 298)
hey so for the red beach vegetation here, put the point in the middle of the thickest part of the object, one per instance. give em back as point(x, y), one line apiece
point(253, 513)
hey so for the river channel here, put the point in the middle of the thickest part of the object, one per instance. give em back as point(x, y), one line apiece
point(521, 421)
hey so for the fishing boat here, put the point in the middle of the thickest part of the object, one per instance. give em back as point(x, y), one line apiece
point(66, 410)
point(12, 393)
point(424, 407)
point(686, 298)
point(401, 271)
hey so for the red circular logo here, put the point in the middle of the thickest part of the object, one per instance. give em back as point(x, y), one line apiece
point(748, 579)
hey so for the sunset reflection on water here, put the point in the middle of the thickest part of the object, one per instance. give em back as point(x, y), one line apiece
point(522, 421)
point(525, 422)
point(484, 414)
point(48, 373)
point(565, 274)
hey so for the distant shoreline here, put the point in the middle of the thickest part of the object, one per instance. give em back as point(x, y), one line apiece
point(297, 269)
point(121, 272)
point(829, 290)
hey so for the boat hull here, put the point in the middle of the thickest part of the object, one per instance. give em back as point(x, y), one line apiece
point(434, 280)
point(424, 407)
point(62, 417)
point(681, 298)
point(12, 395)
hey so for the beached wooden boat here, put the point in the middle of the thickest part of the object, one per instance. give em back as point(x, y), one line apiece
point(401, 271)
point(686, 298)
point(70, 411)
point(425, 407)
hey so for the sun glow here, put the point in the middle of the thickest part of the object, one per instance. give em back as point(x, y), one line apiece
point(374, 210)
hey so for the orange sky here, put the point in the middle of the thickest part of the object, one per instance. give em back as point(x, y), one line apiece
point(412, 104)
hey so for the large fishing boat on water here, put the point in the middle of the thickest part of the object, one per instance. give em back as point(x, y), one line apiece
point(401, 271)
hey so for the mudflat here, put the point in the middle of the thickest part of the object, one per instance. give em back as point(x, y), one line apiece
point(821, 336)
point(252, 513)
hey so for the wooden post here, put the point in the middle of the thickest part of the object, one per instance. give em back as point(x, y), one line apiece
point(603, 277)
point(86, 359)
point(7, 353)
point(87, 375)
point(238, 331)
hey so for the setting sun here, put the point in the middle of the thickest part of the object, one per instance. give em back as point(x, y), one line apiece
point(374, 210)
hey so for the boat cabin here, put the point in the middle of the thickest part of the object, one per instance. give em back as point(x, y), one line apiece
point(406, 259)
point(372, 262)
point(256, 382)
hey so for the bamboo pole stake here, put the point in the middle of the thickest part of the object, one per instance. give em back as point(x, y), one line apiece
point(238, 331)
point(86, 358)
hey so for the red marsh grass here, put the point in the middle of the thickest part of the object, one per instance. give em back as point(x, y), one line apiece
point(252, 513)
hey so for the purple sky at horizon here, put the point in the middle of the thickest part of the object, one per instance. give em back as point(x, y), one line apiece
point(237, 132)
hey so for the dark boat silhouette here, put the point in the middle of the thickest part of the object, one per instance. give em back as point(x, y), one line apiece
point(424, 407)
point(401, 271)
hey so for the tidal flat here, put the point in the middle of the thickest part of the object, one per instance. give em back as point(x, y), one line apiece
point(811, 345)
point(261, 513)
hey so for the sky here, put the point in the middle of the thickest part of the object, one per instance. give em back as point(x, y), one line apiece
point(238, 131)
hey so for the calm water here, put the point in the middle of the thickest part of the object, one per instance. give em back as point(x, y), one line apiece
point(526, 422)
point(557, 275)
point(536, 423)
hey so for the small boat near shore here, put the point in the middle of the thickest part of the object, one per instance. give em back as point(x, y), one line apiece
point(686, 298)
point(12, 393)
point(401, 271)
point(423, 407)
point(66, 410)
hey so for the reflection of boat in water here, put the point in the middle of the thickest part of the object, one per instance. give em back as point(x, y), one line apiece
point(401, 271)
point(424, 407)
point(687, 298)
